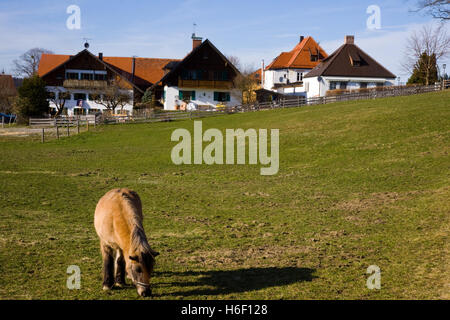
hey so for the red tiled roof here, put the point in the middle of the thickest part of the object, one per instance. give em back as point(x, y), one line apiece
point(257, 75)
point(299, 57)
point(149, 69)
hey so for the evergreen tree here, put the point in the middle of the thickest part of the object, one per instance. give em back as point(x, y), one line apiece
point(425, 70)
point(33, 96)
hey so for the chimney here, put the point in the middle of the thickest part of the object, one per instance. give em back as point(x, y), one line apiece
point(133, 69)
point(302, 38)
point(100, 56)
point(196, 41)
point(349, 39)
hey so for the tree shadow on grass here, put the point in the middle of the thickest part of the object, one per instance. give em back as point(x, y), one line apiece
point(234, 281)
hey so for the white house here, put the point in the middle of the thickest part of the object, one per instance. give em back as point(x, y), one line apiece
point(202, 80)
point(348, 68)
point(286, 72)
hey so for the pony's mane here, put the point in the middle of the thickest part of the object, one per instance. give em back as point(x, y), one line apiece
point(139, 242)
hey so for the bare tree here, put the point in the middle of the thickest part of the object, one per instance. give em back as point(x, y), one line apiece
point(246, 84)
point(59, 99)
point(28, 63)
point(113, 96)
point(432, 42)
point(439, 9)
point(235, 61)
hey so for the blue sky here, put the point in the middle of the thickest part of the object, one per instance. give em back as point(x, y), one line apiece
point(250, 30)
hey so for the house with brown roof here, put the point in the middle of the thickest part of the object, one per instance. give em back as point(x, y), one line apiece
point(7, 91)
point(202, 80)
point(285, 74)
point(348, 68)
point(84, 77)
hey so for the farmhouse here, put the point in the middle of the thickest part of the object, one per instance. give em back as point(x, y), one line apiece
point(7, 86)
point(202, 80)
point(87, 84)
point(348, 68)
point(285, 74)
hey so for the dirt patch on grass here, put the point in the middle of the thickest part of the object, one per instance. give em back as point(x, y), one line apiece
point(375, 200)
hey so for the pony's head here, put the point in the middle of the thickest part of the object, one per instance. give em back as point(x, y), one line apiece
point(140, 269)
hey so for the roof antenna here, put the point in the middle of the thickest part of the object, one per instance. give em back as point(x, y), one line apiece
point(195, 29)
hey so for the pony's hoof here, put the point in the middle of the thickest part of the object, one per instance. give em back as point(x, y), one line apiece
point(106, 288)
point(120, 285)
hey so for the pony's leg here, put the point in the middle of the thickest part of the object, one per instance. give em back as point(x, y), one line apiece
point(108, 266)
point(120, 269)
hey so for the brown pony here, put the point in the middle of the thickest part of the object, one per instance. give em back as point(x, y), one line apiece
point(118, 222)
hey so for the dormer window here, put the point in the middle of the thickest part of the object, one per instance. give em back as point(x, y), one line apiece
point(355, 60)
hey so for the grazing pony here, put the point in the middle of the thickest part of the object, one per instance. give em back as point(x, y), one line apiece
point(124, 246)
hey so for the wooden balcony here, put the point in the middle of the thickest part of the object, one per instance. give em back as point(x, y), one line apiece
point(85, 84)
point(207, 84)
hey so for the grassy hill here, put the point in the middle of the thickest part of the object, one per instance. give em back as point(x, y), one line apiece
point(360, 183)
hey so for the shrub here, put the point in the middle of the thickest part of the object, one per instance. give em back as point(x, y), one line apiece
point(32, 101)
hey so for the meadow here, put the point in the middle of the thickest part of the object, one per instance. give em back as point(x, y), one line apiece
point(360, 183)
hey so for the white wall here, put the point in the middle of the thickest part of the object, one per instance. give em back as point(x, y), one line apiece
point(319, 88)
point(72, 104)
point(202, 97)
point(272, 77)
point(314, 88)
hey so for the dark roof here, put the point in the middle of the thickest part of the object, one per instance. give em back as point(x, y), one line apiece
point(350, 61)
point(178, 65)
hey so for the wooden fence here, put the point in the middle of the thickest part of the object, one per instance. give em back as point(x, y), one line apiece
point(446, 84)
point(145, 116)
point(63, 121)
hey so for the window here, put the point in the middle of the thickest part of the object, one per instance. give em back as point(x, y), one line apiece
point(79, 96)
point(307, 86)
point(87, 76)
point(94, 111)
point(72, 76)
point(79, 111)
point(333, 85)
point(222, 96)
point(221, 75)
point(380, 84)
point(187, 95)
point(101, 77)
point(343, 86)
point(299, 76)
point(363, 85)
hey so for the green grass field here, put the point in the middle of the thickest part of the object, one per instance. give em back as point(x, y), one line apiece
point(360, 183)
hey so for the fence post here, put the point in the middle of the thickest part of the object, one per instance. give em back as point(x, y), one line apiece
point(57, 132)
point(78, 126)
point(68, 129)
point(43, 135)
point(3, 121)
point(87, 124)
